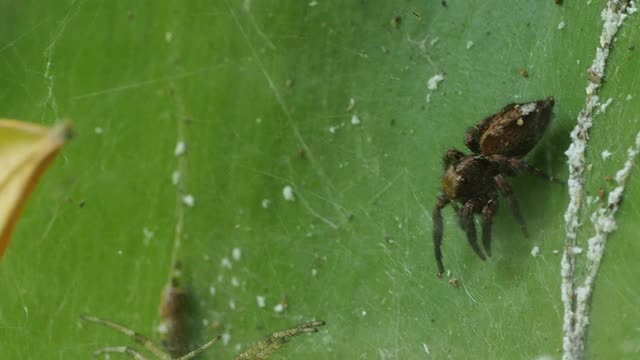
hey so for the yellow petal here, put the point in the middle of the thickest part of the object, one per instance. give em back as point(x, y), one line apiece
point(25, 152)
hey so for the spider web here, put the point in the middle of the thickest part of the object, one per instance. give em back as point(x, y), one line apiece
point(261, 94)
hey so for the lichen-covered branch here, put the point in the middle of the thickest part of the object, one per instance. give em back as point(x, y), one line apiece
point(575, 299)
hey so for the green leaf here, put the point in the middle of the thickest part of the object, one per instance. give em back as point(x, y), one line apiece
point(260, 92)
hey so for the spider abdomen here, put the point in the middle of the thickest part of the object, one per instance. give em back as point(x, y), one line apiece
point(515, 130)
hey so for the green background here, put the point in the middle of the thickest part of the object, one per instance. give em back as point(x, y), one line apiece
point(247, 84)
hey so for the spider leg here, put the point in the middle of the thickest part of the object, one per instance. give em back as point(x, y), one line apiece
point(465, 216)
point(523, 166)
point(199, 350)
point(488, 211)
point(507, 192)
point(452, 156)
point(137, 337)
point(265, 347)
point(472, 139)
point(513, 166)
point(120, 349)
point(442, 201)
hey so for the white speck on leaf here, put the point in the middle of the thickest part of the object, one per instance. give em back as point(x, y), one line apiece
point(98, 130)
point(629, 97)
point(355, 120)
point(603, 107)
point(236, 253)
point(288, 194)
point(433, 82)
point(576, 250)
point(181, 148)
point(261, 300)
point(426, 348)
point(235, 282)
point(544, 357)
point(606, 154)
point(352, 104)
point(212, 290)
point(226, 338)
point(168, 37)
point(147, 233)
point(175, 177)
point(189, 200)
point(232, 304)
point(278, 308)
point(266, 203)
point(313, 3)
point(469, 44)
point(535, 251)
point(561, 25)
point(225, 263)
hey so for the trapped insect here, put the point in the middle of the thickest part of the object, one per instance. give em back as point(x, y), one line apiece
point(173, 312)
point(471, 183)
point(262, 349)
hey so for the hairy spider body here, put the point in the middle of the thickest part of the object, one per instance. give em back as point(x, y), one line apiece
point(471, 183)
point(468, 177)
point(513, 131)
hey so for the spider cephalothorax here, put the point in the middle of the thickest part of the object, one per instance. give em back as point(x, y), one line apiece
point(471, 183)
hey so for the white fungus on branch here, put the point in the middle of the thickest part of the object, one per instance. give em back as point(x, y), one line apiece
point(576, 299)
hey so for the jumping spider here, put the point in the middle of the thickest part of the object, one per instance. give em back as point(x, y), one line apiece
point(498, 143)
point(258, 351)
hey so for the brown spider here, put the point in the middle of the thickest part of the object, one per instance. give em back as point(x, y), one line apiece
point(498, 143)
